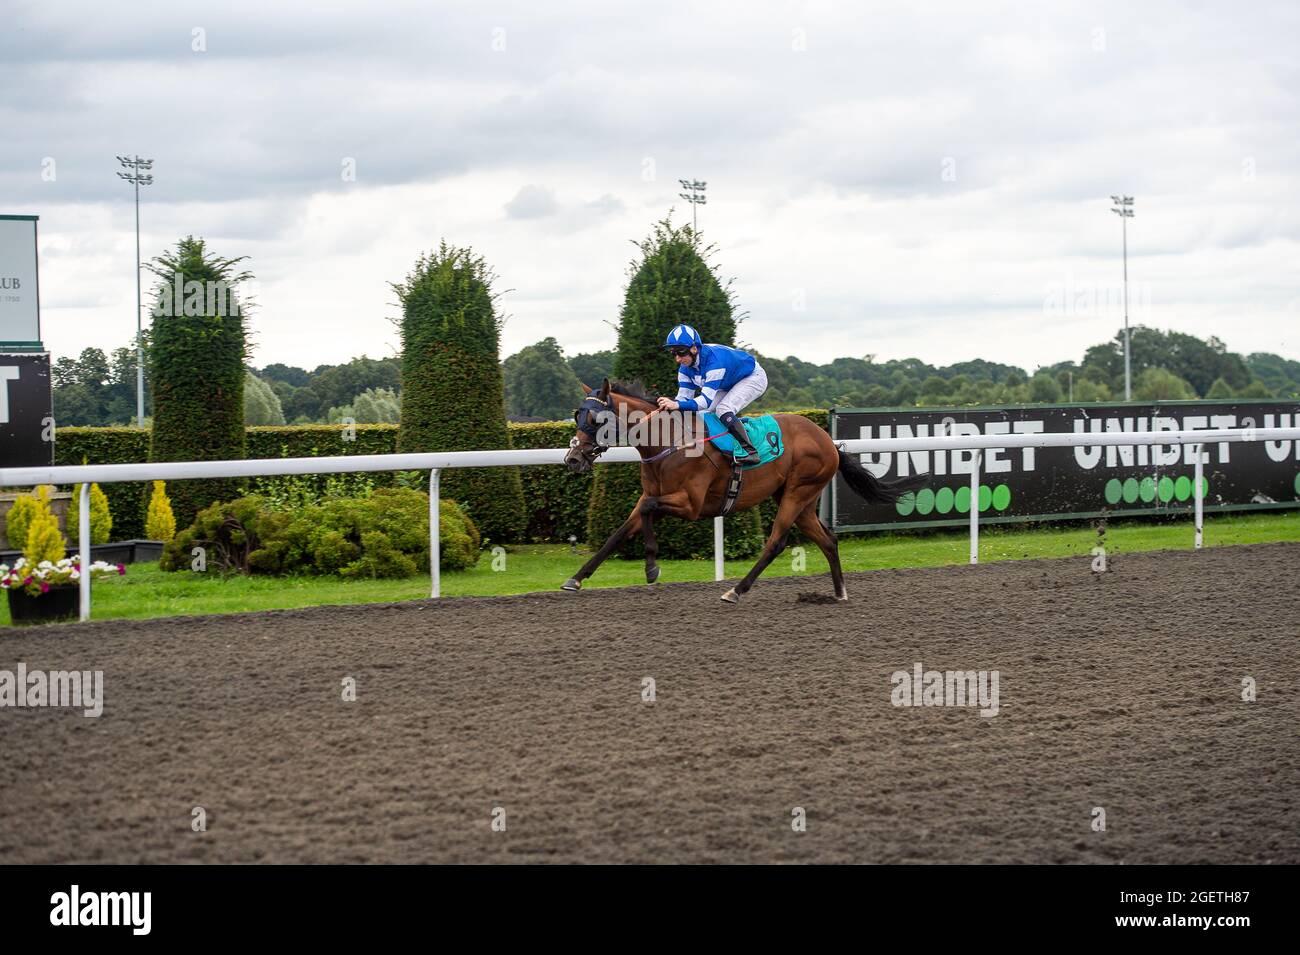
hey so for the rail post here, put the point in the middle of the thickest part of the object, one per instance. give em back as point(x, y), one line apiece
point(83, 546)
point(719, 571)
point(1197, 496)
point(975, 505)
point(435, 555)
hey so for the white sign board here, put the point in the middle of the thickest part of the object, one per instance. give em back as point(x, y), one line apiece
point(20, 319)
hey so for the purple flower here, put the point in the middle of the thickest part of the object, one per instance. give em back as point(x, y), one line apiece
point(45, 588)
point(120, 570)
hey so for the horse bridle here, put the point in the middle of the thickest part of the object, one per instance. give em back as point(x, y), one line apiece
point(585, 419)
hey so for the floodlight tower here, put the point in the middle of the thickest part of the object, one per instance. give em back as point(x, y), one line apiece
point(137, 177)
point(1124, 209)
point(694, 194)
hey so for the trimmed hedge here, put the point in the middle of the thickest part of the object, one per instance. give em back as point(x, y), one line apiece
point(196, 366)
point(126, 501)
point(556, 501)
point(453, 393)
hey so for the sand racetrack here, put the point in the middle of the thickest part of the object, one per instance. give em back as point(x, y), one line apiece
point(1121, 691)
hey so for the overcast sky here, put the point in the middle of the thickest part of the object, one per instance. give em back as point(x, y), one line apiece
point(925, 180)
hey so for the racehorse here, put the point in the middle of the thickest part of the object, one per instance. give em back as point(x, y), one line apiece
point(679, 481)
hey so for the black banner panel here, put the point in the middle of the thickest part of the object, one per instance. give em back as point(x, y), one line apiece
point(1019, 484)
point(26, 411)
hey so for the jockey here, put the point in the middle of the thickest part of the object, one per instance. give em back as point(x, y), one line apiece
point(727, 378)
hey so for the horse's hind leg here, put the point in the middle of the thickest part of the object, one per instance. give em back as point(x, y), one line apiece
point(825, 538)
point(651, 544)
point(785, 515)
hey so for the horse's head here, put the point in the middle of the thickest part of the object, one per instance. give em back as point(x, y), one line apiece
point(584, 448)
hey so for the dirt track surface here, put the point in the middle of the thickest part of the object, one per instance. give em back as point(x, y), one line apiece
point(1121, 692)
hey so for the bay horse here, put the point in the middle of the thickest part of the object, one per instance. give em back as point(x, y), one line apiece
point(689, 480)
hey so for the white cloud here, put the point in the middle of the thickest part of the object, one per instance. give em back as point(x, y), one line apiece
point(826, 166)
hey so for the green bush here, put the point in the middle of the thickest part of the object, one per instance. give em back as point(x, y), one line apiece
point(384, 535)
point(453, 394)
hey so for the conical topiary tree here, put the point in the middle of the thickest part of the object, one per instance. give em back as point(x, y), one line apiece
point(101, 517)
point(197, 352)
point(671, 283)
point(453, 396)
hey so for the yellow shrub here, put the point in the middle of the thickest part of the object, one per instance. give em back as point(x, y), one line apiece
point(101, 519)
point(160, 523)
point(19, 519)
point(24, 510)
point(44, 541)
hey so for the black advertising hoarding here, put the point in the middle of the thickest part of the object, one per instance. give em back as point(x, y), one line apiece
point(1018, 484)
point(26, 415)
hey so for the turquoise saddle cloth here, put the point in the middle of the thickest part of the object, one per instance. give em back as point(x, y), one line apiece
point(764, 435)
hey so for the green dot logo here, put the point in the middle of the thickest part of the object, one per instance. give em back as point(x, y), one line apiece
point(1165, 488)
point(943, 500)
point(1113, 490)
point(962, 499)
point(986, 497)
point(1183, 488)
point(1130, 490)
point(1147, 490)
point(1002, 497)
point(1297, 485)
point(905, 504)
point(924, 501)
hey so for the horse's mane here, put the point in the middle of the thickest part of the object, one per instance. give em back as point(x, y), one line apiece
point(633, 389)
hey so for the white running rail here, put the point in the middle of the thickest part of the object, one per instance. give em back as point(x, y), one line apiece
point(434, 462)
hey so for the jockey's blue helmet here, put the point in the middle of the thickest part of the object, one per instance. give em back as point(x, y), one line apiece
point(683, 336)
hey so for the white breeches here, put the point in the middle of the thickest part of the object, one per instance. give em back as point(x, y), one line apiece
point(745, 392)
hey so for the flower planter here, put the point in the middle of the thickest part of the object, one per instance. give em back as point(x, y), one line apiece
point(60, 602)
point(118, 552)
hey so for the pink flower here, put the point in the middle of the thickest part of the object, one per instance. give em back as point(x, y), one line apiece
point(27, 582)
point(45, 588)
point(120, 570)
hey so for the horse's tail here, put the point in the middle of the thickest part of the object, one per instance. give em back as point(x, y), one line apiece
point(871, 488)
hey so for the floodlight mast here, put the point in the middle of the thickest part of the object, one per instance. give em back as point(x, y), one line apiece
point(1123, 207)
point(137, 178)
point(694, 194)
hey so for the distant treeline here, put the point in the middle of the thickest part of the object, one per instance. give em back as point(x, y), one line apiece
point(542, 383)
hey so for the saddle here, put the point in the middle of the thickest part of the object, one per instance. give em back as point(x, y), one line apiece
point(764, 434)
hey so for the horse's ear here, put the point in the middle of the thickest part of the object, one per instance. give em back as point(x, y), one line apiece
point(604, 389)
point(585, 389)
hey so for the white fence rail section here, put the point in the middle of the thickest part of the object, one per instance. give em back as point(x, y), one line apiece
point(434, 462)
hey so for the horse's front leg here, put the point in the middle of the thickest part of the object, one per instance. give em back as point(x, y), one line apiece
point(629, 526)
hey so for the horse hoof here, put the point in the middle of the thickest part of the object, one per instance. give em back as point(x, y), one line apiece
point(842, 597)
point(731, 596)
point(573, 585)
point(652, 574)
